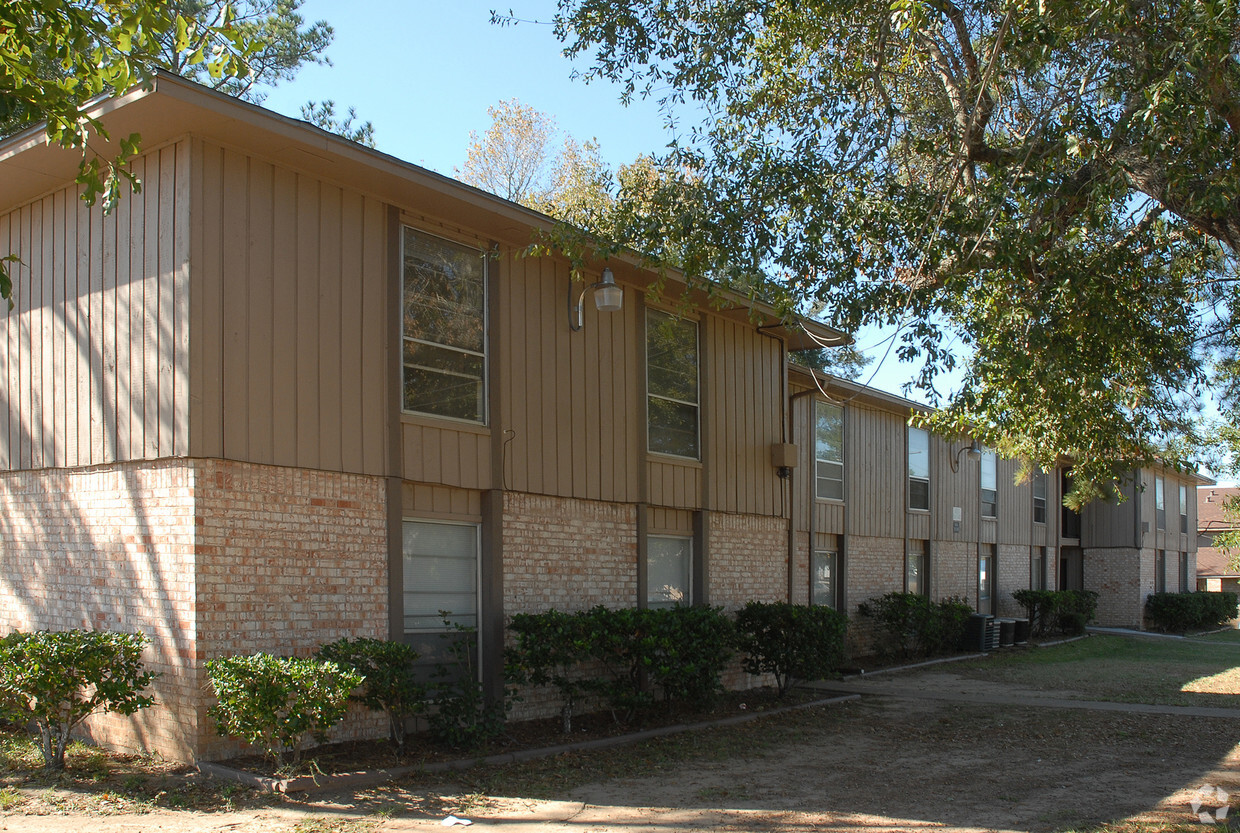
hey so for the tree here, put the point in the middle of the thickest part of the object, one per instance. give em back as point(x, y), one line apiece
point(1053, 186)
point(323, 114)
point(56, 57)
point(282, 43)
point(847, 362)
point(517, 159)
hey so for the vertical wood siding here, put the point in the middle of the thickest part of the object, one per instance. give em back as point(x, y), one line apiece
point(879, 468)
point(569, 419)
point(741, 392)
point(288, 318)
point(96, 359)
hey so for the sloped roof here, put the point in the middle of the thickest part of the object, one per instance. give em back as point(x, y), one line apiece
point(1210, 517)
point(169, 107)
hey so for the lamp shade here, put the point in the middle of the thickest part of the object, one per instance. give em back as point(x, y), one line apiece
point(608, 296)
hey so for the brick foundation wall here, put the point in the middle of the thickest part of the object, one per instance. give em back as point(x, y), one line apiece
point(206, 558)
point(748, 559)
point(288, 559)
point(110, 548)
point(875, 567)
point(1013, 574)
point(1122, 578)
point(954, 572)
point(567, 554)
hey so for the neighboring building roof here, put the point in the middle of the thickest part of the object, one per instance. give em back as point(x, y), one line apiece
point(1214, 563)
point(1210, 516)
point(170, 106)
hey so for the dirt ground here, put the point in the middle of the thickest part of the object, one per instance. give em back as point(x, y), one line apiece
point(881, 764)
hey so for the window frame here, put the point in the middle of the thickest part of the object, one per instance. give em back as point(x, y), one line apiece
point(1037, 569)
point(820, 460)
point(917, 478)
point(988, 497)
point(831, 597)
point(688, 572)
point(484, 381)
point(1160, 504)
point(987, 571)
point(477, 575)
point(1039, 501)
point(650, 395)
point(1160, 571)
point(1183, 509)
point(917, 554)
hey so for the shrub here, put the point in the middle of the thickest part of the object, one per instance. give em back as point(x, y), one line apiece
point(277, 702)
point(793, 642)
point(1057, 611)
point(1180, 612)
point(390, 685)
point(912, 625)
point(548, 648)
point(685, 649)
point(57, 679)
point(624, 656)
point(461, 715)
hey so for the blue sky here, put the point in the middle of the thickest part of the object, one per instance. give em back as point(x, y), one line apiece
point(424, 73)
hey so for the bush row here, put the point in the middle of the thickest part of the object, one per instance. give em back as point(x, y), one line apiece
point(912, 625)
point(1057, 611)
point(630, 658)
point(1180, 612)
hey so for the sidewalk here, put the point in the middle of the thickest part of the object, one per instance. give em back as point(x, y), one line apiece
point(892, 687)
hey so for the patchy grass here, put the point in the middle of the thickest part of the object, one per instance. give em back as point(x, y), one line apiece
point(1175, 672)
point(102, 783)
point(1230, 636)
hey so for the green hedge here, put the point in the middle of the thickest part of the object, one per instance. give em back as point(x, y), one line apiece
point(1180, 612)
point(628, 657)
point(1057, 611)
point(910, 625)
point(793, 642)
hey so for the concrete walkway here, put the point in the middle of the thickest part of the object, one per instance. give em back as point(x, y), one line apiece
point(889, 687)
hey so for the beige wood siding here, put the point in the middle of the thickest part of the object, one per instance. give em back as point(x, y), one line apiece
point(288, 318)
point(426, 500)
point(742, 389)
point(1113, 523)
point(570, 404)
point(96, 365)
point(878, 470)
point(1015, 505)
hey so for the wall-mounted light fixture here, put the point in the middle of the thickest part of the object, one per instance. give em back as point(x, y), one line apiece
point(608, 297)
point(974, 450)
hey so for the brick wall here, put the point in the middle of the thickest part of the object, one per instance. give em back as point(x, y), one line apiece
point(110, 547)
point(875, 567)
point(954, 572)
point(1122, 577)
point(748, 559)
point(568, 554)
point(206, 558)
point(1012, 574)
point(288, 559)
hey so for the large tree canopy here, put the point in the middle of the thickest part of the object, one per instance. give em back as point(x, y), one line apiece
point(1047, 189)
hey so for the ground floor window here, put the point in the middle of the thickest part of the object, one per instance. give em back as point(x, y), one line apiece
point(669, 570)
point(986, 578)
point(1184, 588)
point(440, 574)
point(916, 567)
point(825, 577)
point(1160, 572)
point(1037, 569)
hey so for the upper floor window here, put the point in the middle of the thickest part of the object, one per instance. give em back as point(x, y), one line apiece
point(1039, 496)
point(1160, 504)
point(989, 479)
point(1183, 508)
point(671, 385)
point(443, 327)
point(829, 450)
point(918, 469)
